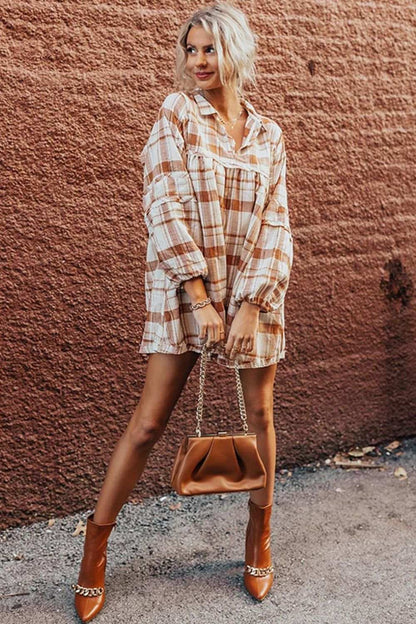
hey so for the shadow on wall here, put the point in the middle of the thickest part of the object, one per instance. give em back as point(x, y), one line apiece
point(399, 341)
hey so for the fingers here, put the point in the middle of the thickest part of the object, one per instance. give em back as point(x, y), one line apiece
point(240, 344)
point(212, 332)
point(216, 334)
point(211, 326)
point(202, 333)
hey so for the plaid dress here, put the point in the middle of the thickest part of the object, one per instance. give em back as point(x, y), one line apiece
point(220, 214)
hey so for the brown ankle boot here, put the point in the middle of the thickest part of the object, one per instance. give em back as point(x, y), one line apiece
point(89, 591)
point(258, 573)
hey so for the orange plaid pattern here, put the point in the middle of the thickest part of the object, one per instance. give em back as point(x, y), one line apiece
point(218, 213)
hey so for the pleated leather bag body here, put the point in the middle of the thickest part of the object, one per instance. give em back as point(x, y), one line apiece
point(221, 462)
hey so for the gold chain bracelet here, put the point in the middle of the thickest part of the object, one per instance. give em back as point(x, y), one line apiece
point(200, 304)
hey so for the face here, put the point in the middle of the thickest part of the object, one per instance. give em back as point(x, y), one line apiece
point(202, 59)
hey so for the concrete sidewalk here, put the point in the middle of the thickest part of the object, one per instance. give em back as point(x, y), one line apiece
point(343, 547)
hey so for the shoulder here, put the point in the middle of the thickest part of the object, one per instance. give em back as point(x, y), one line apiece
point(274, 132)
point(275, 138)
point(273, 129)
point(176, 104)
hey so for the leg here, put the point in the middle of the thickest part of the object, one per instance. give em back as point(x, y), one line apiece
point(165, 378)
point(258, 396)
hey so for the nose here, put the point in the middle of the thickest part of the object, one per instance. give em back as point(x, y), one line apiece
point(200, 59)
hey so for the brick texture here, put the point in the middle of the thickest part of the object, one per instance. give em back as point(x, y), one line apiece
point(80, 87)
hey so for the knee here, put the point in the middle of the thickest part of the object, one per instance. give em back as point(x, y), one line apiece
point(260, 418)
point(144, 435)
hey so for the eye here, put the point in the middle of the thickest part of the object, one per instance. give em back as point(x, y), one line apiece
point(208, 49)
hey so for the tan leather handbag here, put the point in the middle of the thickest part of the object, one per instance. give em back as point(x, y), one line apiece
point(222, 462)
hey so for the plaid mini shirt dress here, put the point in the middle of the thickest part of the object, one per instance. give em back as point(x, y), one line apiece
point(220, 214)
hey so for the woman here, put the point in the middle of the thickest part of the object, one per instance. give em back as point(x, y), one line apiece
point(218, 264)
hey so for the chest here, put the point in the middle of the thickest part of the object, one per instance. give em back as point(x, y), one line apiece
point(237, 132)
point(245, 146)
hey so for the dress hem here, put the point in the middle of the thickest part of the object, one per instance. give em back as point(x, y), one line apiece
point(214, 356)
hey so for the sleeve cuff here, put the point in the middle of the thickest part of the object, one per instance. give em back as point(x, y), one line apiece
point(259, 301)
point(180, 287)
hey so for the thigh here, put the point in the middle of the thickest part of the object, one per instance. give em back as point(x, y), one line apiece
point(166, 376)
point(258, 386)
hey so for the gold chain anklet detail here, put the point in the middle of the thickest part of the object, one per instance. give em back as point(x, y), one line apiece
point(87, 591)
point(259, 571)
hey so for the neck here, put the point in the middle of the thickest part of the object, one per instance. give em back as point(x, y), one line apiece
point(224, 99)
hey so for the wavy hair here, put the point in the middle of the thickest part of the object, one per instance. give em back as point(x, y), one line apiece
point(234, 41)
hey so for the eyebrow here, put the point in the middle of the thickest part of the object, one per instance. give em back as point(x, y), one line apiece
point(205, 46)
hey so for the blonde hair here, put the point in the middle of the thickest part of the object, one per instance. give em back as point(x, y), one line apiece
point(234, 41)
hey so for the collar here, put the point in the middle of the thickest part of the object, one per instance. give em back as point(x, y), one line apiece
point(206, 108)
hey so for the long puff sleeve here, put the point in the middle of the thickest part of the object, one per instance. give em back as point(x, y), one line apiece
point(265, 277)
point(167, 188)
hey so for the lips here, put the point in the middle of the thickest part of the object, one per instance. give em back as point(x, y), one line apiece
point(203, 74)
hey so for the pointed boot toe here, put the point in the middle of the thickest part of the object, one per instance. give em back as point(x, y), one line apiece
point(258, 586)
point(88, 607)
point(89, 590)
point(258, 572)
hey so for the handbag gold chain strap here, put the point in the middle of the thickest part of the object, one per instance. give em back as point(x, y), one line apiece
point(240, 395)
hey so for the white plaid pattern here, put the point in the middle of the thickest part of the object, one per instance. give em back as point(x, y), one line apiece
point(213, 212)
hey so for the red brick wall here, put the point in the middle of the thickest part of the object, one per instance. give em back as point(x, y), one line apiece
point(81, 85)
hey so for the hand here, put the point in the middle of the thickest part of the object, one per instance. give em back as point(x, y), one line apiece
point(243, 331)
point(210, 324)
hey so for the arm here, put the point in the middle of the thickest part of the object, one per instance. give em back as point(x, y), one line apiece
point(167, 187)
point(265, 277)
point(195, 288)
